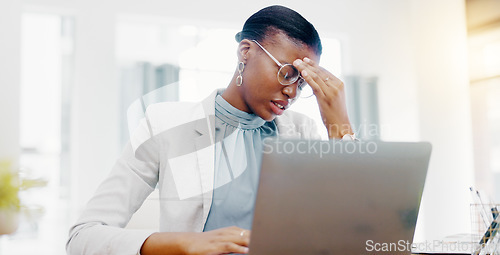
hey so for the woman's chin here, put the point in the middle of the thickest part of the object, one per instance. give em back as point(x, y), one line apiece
point(269, 117)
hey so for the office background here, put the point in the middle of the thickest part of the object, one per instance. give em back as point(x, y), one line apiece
point(414, 70)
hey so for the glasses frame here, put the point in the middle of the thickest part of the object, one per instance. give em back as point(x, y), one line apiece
point(302, 82)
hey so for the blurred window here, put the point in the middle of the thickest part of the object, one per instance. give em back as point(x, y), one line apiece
point(46, 74)
point(484, 70)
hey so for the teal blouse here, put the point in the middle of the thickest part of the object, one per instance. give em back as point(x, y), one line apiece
point(238, 153)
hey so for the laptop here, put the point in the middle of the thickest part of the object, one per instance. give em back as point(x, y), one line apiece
point(338, 197)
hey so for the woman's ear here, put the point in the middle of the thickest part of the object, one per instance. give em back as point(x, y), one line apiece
point(243, 50)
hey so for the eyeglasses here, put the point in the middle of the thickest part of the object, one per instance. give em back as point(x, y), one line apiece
point(287, 74)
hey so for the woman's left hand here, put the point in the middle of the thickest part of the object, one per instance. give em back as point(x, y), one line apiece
point(329, 92)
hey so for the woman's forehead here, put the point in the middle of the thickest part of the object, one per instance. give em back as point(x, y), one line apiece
point(285, 49)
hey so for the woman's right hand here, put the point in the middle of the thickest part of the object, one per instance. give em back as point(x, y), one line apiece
point(219, 241)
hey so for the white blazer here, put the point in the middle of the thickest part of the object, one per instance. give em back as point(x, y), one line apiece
point(173, 149)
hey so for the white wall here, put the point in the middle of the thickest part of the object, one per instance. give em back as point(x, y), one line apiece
point(444, 113)
point(10, 66)
point(416, 50)
point(94, 113)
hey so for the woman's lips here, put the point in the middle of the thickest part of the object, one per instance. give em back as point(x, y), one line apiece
point(278, 107)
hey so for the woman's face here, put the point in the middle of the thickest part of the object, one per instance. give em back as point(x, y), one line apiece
point(262, 93)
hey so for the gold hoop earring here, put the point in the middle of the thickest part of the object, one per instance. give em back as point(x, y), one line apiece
point(239, 78)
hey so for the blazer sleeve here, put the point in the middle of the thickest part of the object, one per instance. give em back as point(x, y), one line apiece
point(297, 125)
point(100, 228)
point(309, 129)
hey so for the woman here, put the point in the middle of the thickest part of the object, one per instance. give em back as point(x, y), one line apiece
point(204, 157)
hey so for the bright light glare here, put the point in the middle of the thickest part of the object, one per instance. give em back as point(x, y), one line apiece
point(491, 58)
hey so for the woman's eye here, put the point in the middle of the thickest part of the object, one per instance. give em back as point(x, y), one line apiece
point(301, 83)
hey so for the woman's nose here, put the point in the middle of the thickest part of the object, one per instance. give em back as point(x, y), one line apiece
point(290, 90)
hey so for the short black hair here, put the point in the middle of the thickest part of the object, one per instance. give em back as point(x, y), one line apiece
point(278, 18)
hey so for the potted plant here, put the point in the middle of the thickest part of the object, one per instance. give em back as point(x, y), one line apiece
point(10, 205)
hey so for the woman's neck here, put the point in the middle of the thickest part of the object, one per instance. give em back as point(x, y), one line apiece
point(234, 96)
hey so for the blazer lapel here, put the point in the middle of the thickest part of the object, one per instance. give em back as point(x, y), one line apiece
point(286, 128)
point(205, 150)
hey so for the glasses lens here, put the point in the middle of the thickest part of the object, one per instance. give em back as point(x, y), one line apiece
point(288, 74)
point(304, 88)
